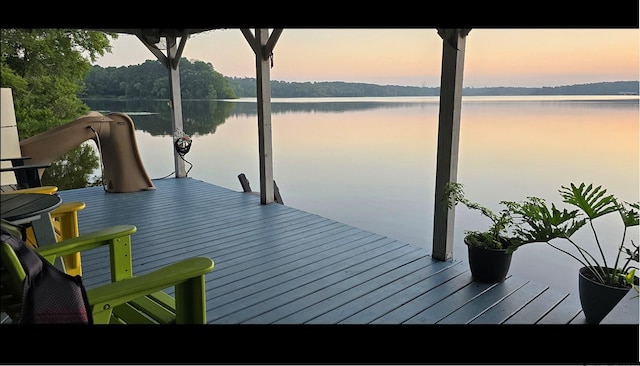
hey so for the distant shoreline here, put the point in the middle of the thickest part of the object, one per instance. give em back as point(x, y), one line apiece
point(245, 87)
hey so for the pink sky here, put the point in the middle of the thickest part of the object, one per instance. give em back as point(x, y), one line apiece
point(494, 57)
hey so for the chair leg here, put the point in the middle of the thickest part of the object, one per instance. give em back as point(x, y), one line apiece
point(102, 316)
point(67, 227)
point(191, 301)
point(65, 223)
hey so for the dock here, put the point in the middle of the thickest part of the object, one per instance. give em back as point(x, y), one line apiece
point(275, 264)
point(278, 267)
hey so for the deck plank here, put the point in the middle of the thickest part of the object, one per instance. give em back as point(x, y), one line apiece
point(388, 305)
point(510, 305)
point(485, 300)
point(374, 292)
point(331, 310)
point(305, 290)
point(536, 309)
point(298, 269)
point(455, 299)
point(568, 309)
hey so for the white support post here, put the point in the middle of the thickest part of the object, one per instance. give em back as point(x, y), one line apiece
point(263, 81)
point(453, 47)
point(175, 100)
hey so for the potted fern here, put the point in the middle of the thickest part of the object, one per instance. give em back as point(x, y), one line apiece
point(602, 281)
point(489, 250)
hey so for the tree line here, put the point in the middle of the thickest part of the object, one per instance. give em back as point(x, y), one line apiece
point(246, 87)
point(199, 80)
point(150, 80)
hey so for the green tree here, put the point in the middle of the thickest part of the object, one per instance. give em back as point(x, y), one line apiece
point(150, 80)
point(45, 69)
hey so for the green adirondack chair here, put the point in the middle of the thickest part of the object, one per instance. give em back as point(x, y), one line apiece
point(128, 299)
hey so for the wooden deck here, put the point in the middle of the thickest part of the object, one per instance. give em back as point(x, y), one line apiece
point(293, 287)
point(278, 265)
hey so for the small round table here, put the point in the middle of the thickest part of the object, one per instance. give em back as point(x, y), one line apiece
point(34, 208)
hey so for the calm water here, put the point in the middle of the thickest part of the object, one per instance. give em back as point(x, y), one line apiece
point(370, 162)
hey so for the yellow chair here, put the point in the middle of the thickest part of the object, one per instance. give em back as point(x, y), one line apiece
point(65, 223)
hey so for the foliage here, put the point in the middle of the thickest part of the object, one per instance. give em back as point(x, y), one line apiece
point(539, 222)
point(150, 80)
point(246, 87)
point(45, 69)
point(502, 234)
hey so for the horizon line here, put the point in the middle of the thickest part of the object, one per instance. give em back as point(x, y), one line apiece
point(472, 87)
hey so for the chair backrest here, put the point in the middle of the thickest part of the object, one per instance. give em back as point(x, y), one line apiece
point(34, 290)
point(17, 171)
point(10, 147)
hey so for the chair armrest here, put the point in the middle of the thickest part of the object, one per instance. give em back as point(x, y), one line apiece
point(116, 293)
point(67, 207)
point(85, 242)
point(16, 160)
point(27, 176)
point(25, 167)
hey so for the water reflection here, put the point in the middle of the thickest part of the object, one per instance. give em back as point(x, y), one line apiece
point(154, 116)
point(202, 117)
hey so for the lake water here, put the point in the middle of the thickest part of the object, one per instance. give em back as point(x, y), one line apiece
point(371, 162)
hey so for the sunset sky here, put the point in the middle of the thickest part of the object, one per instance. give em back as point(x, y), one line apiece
point(494, 57)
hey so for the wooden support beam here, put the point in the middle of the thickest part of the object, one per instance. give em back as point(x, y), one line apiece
point(453, 47)
point(153, 48)
point(176, 102)
point(171, 62)
point(262, 45)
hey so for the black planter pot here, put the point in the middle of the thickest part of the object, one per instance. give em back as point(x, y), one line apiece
point(489, 265)
point(597, 299)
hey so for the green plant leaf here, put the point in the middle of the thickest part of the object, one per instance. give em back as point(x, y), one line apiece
point(634, 255)
point(453, 193)
point(629, 215)
point(629, 277)
point(543, 223)
point(592, 201)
